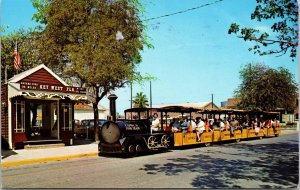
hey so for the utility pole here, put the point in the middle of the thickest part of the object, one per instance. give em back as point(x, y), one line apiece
point(131, 99)
point(150, 99)
point(150, 95)
point(131, 94)
point(212, 100)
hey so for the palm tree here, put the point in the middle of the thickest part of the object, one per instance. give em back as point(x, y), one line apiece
point(140, 100)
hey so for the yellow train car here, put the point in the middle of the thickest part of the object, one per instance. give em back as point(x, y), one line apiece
point(277, 131)
point(187, 136)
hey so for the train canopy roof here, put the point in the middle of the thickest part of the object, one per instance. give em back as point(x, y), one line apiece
point(188, 109)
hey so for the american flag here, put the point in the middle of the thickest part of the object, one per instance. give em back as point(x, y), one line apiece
point(17, 60)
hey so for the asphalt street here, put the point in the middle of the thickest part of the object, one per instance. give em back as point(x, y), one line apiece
point(267, 163)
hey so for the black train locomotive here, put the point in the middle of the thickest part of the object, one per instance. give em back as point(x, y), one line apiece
point(131, 136)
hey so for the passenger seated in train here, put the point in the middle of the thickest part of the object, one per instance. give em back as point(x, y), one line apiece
point(227, 124)
point(221, 125)
point(262, 125)
point(267, 123)
point(256, 126)
point(231, 128)
point(245, 124)
point(235, 125)
point(184, 125)
point(251, 124)
point(155, 123)
point(211, 122)
point(193, 124)
point(175, 125)
point(207, 125)
point(216, 124)
point(200, 128)
point(275, 123)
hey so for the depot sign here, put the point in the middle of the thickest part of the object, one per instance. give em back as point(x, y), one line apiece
point(52, 88)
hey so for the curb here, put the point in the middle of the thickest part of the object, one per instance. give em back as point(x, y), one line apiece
point(37, 160)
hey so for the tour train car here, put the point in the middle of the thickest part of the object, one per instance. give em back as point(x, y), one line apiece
point(211, 135)
point(133, 135)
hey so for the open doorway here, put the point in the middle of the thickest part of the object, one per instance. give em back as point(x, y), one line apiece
point(43, 120)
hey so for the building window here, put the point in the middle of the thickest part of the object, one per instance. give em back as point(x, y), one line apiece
point(20, 116)
point(67, 116)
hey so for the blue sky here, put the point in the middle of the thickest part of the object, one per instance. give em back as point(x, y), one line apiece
point(193, 55)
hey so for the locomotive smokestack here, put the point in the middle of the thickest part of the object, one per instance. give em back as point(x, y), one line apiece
point(112, 106)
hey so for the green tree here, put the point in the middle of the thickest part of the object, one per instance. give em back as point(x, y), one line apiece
point(284, 15)
point(25, 40)
point(140, 100)
point(97, 42)
point(266, 89)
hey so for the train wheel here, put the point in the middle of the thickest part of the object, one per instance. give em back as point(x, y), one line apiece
point(238, 140)
point(138, 148)
point(165, 141)
point(131, 149)
point(152, 142)
point(260, 138)
point(207, 144)
point(276, 135)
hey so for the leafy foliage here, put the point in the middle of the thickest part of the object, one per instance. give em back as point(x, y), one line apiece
point(96, 42)
point(25, 39)
point(265, 88)
point(284, 14)
point(140, 100)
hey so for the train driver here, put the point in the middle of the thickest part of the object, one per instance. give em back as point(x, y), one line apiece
point(155, 123)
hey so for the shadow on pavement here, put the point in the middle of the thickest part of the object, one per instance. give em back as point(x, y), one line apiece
point(7, 153)
point(128, 155)
point(249, 165)
point(82, 141)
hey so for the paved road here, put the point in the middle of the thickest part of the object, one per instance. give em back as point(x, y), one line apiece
point(267, 163)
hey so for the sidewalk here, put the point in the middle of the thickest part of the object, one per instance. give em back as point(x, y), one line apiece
point(82, 149)
point(29, 156)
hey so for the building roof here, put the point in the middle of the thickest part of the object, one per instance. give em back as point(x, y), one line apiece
point(87, 107)
point(232, 102)
point(25, 74)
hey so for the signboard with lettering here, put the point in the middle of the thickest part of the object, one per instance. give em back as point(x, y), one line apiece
point(51, 88)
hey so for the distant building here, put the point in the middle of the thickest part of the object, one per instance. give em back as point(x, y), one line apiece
point(224, 104)
point(85, 111)
point(231, 103)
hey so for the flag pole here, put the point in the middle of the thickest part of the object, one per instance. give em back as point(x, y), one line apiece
point(17, 53)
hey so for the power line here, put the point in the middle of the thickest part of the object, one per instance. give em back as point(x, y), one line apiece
point(183, 11)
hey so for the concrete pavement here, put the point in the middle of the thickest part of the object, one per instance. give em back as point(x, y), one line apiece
point(30, 156)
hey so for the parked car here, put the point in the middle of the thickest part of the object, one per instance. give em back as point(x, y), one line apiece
point(79, 130)
point(87, 126)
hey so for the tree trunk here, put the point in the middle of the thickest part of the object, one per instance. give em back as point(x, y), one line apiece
point(96, 121)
